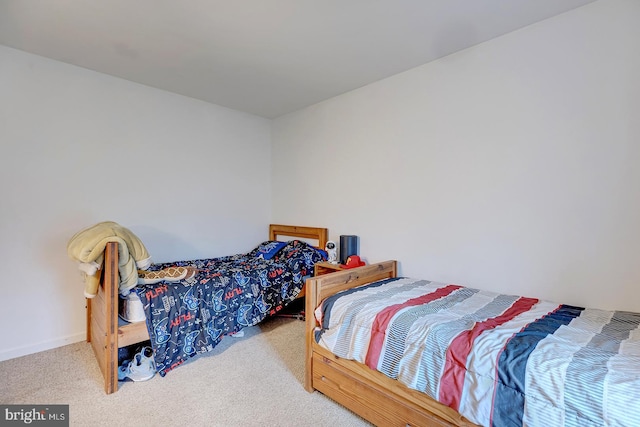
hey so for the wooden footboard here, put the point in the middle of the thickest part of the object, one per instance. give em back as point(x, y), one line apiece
point(103, 331)
point(368, 393)
point(102, 320)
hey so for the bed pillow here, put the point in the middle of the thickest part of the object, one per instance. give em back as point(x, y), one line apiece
point(323, 254)
point(299, 250)
point(269, 249)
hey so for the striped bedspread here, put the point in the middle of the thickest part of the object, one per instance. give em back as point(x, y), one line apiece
point(499, 360)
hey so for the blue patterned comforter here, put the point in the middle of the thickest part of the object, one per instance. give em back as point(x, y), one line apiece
point(225, 295)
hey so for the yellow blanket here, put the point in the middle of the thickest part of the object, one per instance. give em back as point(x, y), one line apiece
point(87, 248)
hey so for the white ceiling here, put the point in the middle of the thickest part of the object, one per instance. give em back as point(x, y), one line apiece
point(265, 57)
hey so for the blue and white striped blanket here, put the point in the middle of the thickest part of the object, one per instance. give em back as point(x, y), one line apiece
point(499, 360)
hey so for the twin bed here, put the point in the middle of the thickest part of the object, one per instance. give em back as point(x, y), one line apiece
point(190, 317)
point(400, 351)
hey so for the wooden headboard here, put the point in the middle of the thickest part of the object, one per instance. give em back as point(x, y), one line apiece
point(315, 233)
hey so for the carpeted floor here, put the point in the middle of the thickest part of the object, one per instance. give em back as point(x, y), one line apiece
point(251, 381)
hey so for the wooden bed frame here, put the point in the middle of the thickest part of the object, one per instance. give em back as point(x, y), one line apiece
point(370, 394)
point(105, 333)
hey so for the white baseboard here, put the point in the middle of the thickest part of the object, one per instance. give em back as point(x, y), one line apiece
point(12, 353)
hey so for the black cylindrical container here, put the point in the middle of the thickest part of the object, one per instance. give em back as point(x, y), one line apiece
point(348, 247)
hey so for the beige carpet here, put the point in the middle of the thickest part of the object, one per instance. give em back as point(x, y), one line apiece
point(251, 381)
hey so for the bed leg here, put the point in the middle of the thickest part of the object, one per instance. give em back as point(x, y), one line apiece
point(88, 300)
point(310, 304)
point(111, 284)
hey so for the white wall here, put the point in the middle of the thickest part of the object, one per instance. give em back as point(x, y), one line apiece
point(511, 166)
point(191, 179)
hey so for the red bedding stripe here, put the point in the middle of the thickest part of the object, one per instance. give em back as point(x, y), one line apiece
point(452, 381)
point(380, 324)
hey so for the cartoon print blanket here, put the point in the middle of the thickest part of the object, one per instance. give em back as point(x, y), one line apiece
point(225, 295)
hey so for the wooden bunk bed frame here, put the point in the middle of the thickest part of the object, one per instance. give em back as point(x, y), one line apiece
point(105, 333)
point(370, 394)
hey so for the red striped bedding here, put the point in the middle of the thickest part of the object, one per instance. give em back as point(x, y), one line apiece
point(499, 360)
